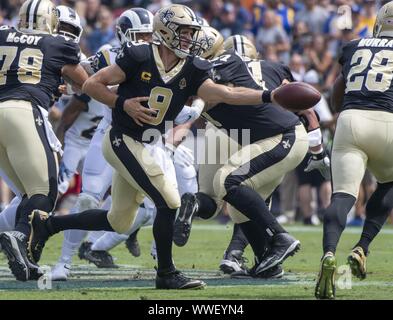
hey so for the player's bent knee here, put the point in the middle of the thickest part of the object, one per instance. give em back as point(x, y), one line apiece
point(237, 216)
point(121, 222)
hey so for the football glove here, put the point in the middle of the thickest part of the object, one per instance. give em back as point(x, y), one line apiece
point(321, 162)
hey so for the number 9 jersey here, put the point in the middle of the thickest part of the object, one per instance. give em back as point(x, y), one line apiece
point(167, 91)
point(30, 65)
point(367, 69)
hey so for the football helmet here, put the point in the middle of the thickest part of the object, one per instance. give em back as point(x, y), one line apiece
point(210, 43)
point(38, 16)
point(167, 25)
point(242, 45)
point(131, 22)
point(69, 23)
point(383, 26)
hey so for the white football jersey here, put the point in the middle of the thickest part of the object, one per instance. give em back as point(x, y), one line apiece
point(82, 130)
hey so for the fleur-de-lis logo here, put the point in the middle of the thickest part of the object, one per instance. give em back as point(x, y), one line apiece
point(166, 16)
point(286, 144)
point(39, 121)
point(116, 142)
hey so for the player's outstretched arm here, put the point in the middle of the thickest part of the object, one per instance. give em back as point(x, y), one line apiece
point(214, 93)
point(338, 93)
point(97, 85)
point(75, 75)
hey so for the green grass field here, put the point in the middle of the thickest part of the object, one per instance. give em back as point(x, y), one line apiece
point(200, 258)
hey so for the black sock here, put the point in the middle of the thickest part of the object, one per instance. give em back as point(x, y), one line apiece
point(238, 240)
point(94, 219)
point(163, 233)
point(134, 234)
point(377, 211)
point(335, 219)
point(37, 201)
point(251, 204)
point(255, 237)
point(206, 206)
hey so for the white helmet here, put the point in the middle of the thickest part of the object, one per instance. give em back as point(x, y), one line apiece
point(38, 16)
point(167, 24)
point(133, 21)
point(383, 26)
point(242, 45)
point(69, 23)
point(210, 43)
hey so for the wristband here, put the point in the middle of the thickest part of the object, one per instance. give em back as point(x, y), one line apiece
point(120, 102)
point(266, 96)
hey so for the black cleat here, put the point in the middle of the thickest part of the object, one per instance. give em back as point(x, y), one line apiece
point(177, 280)
point(132, 245)
point(182, 227)
point(39, 234)
point(14, 245)
point(275, 272)
point(102, 259)
point(233, 261)
point(83, 249)
point(283, 246)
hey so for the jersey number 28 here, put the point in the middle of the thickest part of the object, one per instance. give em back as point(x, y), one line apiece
point(378, 77)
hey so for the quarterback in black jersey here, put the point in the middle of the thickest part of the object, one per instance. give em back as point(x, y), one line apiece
point(277, 142)
point(155, 81)
point(33, 59)
point(363, 140)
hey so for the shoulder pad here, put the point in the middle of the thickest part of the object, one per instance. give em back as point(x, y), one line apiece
point(140, 51)
point(102, 58)
point(201, 63)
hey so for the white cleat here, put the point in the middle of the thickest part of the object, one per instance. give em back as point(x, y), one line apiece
point(60, 272)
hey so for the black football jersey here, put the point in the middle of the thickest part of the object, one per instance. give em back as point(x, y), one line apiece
point(30, 65)
point(367, 68)
point(263, 121)
point(146, 77)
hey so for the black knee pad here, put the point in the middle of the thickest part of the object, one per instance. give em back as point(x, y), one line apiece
point(339, 208)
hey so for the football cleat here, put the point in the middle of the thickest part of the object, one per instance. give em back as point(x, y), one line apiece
point(60, 272)
point(177, 280)
point(101, 258)
point(283, 246)
point(357, 263)
point(233, 261)
point(182, 226)
point(14, 245)
point(275, 272)
point(325, 287)
point(83, 249)
point(39, 234)
point(132, 245)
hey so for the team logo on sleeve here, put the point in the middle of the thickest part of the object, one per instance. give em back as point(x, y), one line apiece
point(182, 84)
point(116, 142)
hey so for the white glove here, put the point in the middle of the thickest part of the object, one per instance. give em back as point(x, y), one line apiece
point(321, 162)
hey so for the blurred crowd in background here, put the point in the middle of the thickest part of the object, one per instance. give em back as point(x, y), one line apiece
point(305, 34)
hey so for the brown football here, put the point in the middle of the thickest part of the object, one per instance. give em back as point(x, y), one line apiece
point(297, 96)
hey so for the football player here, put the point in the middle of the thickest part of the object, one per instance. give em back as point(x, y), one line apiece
point(33, 61)
point(253, 169)
point(164, 76)
point(133, 25)
point(363, 139)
